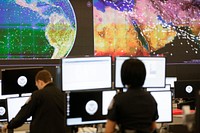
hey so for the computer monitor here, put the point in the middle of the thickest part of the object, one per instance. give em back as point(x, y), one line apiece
point(186, 88)
point(52, 65)
point(166, 88)
point(197, 113)
point(83, 73)
point(6, 96)
point(87, 107)
point(164, 105)
point(14, 105)
point(171, 80)
point(3, 110)
point(19, 80)
point(155, 71)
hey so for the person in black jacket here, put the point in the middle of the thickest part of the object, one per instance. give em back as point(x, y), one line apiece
point(46, 106)
point(134, 111)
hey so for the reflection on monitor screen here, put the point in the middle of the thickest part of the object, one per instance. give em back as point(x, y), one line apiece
point(88, 107)
point(86, 73)
point(155, 69)
point(164, 101)
point(19, 80)
point(14, 105)
point(171, 80)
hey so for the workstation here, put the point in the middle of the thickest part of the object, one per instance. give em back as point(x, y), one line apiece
point(90, 83)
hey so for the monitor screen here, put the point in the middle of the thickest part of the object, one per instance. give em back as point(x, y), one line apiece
point(19, 80)
point(86, 73)
point(186, 88)
point(3, 110)
point(52, 65)
point(166, 88)
point(164, 101)
point(87, 107)
point(197, 113)
point(171, 80)
point(6, 96)
point(14, 105)
point(155, 71)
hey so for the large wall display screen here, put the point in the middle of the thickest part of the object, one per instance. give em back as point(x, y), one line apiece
point(58, 28)
point(146, 27)
point(42, 28)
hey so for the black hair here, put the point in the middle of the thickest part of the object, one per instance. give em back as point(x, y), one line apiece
point(133, 73)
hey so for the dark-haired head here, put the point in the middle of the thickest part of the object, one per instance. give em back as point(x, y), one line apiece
point(133, 73)
point(44, 75)
point(43, 78)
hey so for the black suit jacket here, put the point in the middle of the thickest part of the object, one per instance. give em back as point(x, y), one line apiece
point(46, 107)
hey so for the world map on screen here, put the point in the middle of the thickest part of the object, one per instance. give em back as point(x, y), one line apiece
point(36, 28)
point(169, 28)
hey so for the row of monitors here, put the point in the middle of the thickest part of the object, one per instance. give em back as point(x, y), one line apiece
point(181, 89)
point(83, 73)
point(93, 72)
point(88, 107)
point(91, 107)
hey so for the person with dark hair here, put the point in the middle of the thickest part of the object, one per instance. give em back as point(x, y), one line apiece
point(134, 111)
point(46, 106)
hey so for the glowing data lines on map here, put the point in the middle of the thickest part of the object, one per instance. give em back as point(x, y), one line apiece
point(120, 5)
